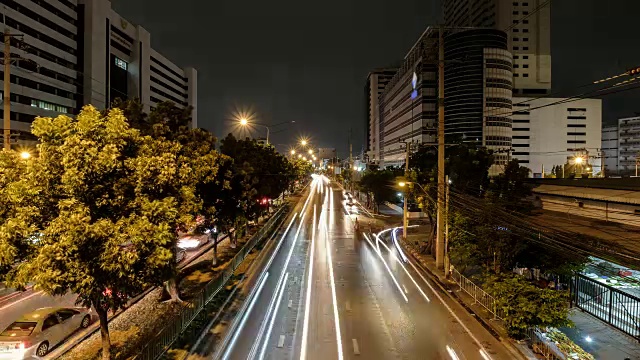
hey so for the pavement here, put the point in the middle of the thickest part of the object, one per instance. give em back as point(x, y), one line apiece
point(600, 339)
point(333, 293)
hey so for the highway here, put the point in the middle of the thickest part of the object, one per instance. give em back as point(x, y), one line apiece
point(325, 291)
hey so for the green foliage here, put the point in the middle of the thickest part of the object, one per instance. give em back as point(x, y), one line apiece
point(510, 190)
point(524, 305)
point(379, 183)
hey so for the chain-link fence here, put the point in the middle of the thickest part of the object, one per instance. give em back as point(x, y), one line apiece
point(479, 296)
point(169, 334)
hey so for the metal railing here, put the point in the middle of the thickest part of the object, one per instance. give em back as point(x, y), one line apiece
point(479, 296)
point(169, 334)
point(541, 346)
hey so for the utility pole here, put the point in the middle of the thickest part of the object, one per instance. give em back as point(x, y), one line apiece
point(447, 262)
point(440, 246)
point(405, 216)
point(602, 163)
point(6, 94)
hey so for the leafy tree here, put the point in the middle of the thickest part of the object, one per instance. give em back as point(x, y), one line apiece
point(510, 189)
point(524, 305)
point(380, 184)
point(101, 199)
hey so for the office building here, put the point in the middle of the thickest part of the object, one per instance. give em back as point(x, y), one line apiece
point(610, 149)
point(545, 135)
point(376, 82)
point(628, 144)
point(475, 110)
point(327, 153)
point(527, 24)
point(77, 52)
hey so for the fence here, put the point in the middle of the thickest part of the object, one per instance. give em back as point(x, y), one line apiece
point(169, 334)
point(479, 296)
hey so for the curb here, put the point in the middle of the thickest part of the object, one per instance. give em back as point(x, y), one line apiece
point(444, 287)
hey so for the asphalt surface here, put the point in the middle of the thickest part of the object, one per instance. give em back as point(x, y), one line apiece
point(362, 302)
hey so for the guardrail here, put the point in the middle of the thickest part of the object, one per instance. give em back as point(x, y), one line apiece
point(479, 296)
point(169, 334)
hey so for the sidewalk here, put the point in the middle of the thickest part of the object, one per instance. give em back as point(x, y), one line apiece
point(606, 341)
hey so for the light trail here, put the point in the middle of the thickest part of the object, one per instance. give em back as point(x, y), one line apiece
point(484, 354)
point(395, 242)
point(280, 242)
point(273, 317)
point(395, 281)
point(307, 300)
point(333, 294)
point(452, 353)
point(251, 303)
point(405, 270)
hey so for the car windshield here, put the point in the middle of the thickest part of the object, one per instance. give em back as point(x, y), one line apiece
point(19, 329)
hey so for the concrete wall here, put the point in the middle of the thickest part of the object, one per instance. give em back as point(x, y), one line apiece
point(595, 209)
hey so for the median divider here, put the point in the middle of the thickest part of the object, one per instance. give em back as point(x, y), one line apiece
point(169, 334)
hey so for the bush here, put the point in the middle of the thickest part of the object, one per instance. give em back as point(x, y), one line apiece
point(524, 305)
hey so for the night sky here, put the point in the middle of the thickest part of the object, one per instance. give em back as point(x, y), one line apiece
point(307, 61)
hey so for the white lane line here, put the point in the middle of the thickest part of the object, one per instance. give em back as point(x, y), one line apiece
point(406, 271)
point(452, 353)
point(348, 306)
point(356, 348)
point(290, 304)
point(273, 318)
point(281, 341)
point(307, 300)
point(449, 308)
point(405, 289)
point(333, 295)
point(21, 300)
point(245, 316)
point(395, 281)
point(484, 354)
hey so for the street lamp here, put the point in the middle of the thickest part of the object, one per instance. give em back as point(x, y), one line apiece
point(25, 155)
point(293, 152)
point(310, 151)
point(244, 121)
point(303, 142)
point(299, 156)
point(578, 160)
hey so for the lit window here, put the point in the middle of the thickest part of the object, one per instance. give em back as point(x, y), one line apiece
point(121, 63)
point(49, 106)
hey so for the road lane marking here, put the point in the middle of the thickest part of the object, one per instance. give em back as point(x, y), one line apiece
point(290, 303)
point(252, 302)
point(405, 289)
point(348, 306)
point(281, 341)
point(21, 300)
point(333, 294)
point(484, 354)
point(307, 300)
point(273, 318)
point(395, 281)
point(356, 348)
point(452, 353)
point(405, 270)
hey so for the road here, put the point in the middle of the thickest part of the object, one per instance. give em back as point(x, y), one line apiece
point(15, 304)
point(327, 292)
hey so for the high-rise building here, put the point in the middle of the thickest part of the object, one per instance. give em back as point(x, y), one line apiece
point(478, 73)
point(376, 82)
point(610, 149)
point(628, 144)
point(77, 52)
point(528, 27)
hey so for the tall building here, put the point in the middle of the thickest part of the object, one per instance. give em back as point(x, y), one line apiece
point(610, 149)
point(528, 27)
point(477, 81)
point(77, 52)
point(628, 144)
point(376, 82)
point(545, 135)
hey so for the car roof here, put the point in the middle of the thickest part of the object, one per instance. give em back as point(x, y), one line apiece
point(38, 314)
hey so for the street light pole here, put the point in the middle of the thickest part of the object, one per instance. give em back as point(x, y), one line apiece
point(441, 179)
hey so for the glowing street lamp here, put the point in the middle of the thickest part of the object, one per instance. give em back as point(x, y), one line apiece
point(244, 121)
point(293, 152)
point(303, 142)
point(25, 155)
point(578, 160)
point(299, 156)
point(310, 151)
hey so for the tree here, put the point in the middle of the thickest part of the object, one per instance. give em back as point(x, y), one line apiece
point(524, 305)
point(510, 189)
point(379, 183)
point(101, 199)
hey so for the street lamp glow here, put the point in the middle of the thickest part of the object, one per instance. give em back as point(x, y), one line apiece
point(299, 156)
point(303, 142)
point(355, 168)
point(244, 121)
point(579, 160)
point(304, 158)
point(293, 152)
point(310, 151)
point(402, 183)
point(25, 155)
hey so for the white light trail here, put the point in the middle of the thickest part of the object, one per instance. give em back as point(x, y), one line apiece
point(307, 300)
point(280, 242)
point(452, 353)
point(333, 295)
point(407, 272)
point(273, 317)
point(395, 281)
point(484, 354)
point(245, 316)
point(395, 242)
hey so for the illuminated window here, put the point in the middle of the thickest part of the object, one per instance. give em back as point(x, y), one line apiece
point(121, 63)
point(49, 106)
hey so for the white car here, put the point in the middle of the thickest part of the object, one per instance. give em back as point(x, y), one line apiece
point(35, 333)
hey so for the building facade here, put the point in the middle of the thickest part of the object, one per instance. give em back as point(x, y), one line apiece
point(478, 74)
point(327, 153)
point(77, 52)
point(545, 135)
point(610, 149)
point(377, 80)
point(528, 27)
point(628, 144)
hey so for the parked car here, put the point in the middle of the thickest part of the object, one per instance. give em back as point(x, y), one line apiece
point(35, 333)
